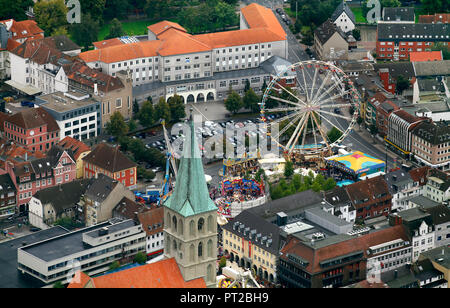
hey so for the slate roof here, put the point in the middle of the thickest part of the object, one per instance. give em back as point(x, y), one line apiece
point(6, 184)
point(439, 214)
point(405, 32)
point(406, 69)
point(128, 209)
point(434, 133)
point(100, 188)
point(398, 14)
point(337, 196)
point(326, 30)
point(287, 204)
point(109, 158)
point(260, 226)
point(341, 8)
point(433, 68)
point(397, 179)
point(63, 196)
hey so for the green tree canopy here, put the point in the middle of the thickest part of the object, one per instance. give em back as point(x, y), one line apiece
point(288, 169)
point(140, 258)
point(50, 15)
point(14, 9)
point(116, 125)
point(233, 103)
point(251, 100)
point(402, 84)
point(162, 110)
point(334, 134)
point(147, 114)
point(86, 32)
point(115, 29)
point(177, 108)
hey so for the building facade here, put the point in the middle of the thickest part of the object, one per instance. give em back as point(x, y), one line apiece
point(34, 129)
point(396, 40)
point(77, 114)
point(107, 160)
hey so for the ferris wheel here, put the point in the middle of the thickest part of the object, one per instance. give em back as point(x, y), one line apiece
point(318, 99)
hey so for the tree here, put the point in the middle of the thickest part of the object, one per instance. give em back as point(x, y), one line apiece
point(116, 9)
point(177, 108)
point(316, 187)
point(250, 100)
point(50, 15)
point(356, 34)
point(162, 110)
point(431, 7)
point(140, 258)
point(297, 181)
point(329, 184)
point(58, 285)
point(94, 8)
point(288, 169)
point(334, 134)
point(401, 84)
point(223, 262)
point(116, 125)
point(115, 29)
point(147, 114)
point(115, 265)
point(86, 32)
point(247, 86)
point(233, 103)
point(14, 9)
point(132, 125)
point(135, 108)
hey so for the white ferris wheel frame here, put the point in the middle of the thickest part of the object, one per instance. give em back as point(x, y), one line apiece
point(303, 110)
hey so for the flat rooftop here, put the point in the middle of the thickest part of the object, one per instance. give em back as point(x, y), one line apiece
point(62, 102)
point(70, 243)
point(10, 277)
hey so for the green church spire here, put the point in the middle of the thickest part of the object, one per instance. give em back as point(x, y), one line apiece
point(190, 196)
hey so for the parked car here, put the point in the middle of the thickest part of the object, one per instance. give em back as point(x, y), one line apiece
point(27, 104)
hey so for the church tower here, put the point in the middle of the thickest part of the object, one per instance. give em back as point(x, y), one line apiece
point(190, 218)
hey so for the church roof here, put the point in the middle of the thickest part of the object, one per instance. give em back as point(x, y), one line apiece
point(190, 196)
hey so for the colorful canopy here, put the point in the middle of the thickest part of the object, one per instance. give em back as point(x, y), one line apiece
point(357, 163)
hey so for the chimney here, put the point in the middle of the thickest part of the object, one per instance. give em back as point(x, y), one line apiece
point(95, 89)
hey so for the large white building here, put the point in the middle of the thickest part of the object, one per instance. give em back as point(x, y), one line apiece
point(90, 250)
point(38, 65)
point(170, 54)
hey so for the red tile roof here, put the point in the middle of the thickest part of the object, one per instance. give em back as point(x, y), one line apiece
point(23, 29)
point(76, 146)
point(367, 190)
point(172, 39)
point(108, 43)
point(258, 16)
point(79, 280)
point(161, 274)
point(420, 175)
point(152, 218)
point(165, 25)
point(109, 158)
point(436, 18)
point(33, 118)
point(421, 56)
